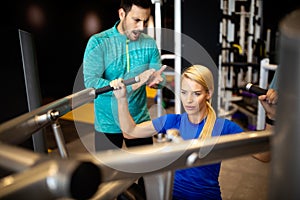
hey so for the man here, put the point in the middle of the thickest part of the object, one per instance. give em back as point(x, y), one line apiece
point(269, 103)
point(122, 51)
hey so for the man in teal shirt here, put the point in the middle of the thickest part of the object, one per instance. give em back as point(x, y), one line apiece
point(122, 51)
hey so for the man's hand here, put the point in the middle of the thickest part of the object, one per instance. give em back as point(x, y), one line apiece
point(269, 102)
point(144, 77)
point(156, 77)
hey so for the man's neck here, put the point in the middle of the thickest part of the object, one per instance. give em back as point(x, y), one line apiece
point(120, 29)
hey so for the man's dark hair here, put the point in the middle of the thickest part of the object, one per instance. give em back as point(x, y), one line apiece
point(127, 4)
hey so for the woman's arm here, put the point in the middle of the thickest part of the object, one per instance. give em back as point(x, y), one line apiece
point(128, 126)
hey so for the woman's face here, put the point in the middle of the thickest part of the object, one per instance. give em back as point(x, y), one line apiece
point(193, 97)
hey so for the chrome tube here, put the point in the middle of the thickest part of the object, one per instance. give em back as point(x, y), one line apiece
point(52, 179)
point(60, 141)
point(110, 190)
point(118, 168)
point(17, 159)
point(21, 128)
point(159, 186)
point(285, 176)
point(149, 159)
point(40, 177)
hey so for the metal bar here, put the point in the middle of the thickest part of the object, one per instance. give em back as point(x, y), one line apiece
point(258, 20)
point(160, 185)
point(242, 28)
point(34, 97)
point(125, 166)
point(40, 177)
point(265, 67)
point(111, 190)
point(250, 40)
point(159, 91)
point(17, 159)
point(120, 169)
point(51, 180)
point(21, 128)
point(177, 48)
point(285, 176)
point(268, 42)
point(161, 157)
point(59, 138)
point(157, 4)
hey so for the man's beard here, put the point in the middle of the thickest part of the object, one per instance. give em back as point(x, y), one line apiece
point(131, 34)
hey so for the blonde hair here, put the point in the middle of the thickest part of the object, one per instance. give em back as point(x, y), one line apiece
point(203, 76)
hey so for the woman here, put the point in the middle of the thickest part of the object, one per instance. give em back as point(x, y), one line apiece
point(198, 121)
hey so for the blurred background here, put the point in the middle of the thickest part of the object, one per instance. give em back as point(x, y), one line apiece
point(61, 29)
point(59, 32)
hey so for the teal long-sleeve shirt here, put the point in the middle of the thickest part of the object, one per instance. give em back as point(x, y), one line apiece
point(110, 55)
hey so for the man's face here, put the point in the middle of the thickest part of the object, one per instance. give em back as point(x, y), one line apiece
point(134, 22)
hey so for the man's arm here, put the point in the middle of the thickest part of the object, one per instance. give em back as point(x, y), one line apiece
point(269, 102)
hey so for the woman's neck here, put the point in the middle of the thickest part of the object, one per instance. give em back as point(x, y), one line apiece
point(196, 119)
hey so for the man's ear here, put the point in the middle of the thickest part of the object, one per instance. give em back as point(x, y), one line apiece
point(122, 14)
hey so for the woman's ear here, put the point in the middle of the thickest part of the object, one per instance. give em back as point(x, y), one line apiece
point(208, 96)
point(122, 13)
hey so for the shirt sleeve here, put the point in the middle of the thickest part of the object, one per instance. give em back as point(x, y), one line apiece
point(232, 127)
point(274, 82)
point(93, 65)
point(225, 127)
point(159, 124)
point(166, 122)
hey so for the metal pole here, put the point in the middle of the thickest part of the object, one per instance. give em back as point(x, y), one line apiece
point(111, 190)
point(17, 159)
point(268, 41)
point(285, 176)
point(165, 182)
point(157, 4)
point(59, 137)
point(177, 48)
point(263, 83)
point(118, 165)
point(230, 72)
point(242, 28)
point(250, 40)
point(21, 128)
point(39, 177)
point(120, 168)
point(162, 157)
point(222, 59)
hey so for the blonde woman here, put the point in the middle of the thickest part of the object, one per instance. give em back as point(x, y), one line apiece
point(198, 121)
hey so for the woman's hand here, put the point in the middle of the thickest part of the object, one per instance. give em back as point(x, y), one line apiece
point(119, 88)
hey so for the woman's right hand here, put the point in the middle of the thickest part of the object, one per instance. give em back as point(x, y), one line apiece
point(119, 88)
